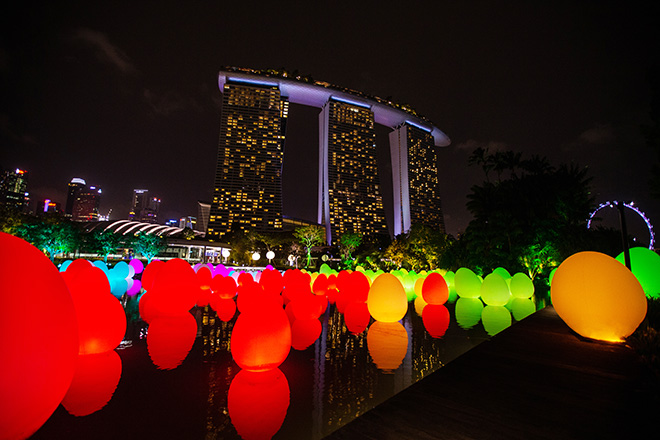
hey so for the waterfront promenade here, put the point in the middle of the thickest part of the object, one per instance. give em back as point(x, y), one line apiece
point(535, 380)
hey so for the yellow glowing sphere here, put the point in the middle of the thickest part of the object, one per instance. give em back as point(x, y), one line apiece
point(419, 304)
point(598, 297)
point(387, 300)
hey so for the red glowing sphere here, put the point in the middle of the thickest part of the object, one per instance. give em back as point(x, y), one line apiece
point(304, 332)
point(261, 338)
point(436, 319)
point(435, 289)
point(94, 383)
point(244, 278)
point(34, 374)
point(320, 285)
point(175, 289)
point(225, 287)
point(204, 277)
point(357, 287)
point(357, 317)
point(224, 307)
point(170, 339)
point(101, 318)
point(150, 272)
point(258, 403)
point(272, 282)
point(307, 307)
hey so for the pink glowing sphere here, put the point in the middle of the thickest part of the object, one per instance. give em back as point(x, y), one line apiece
point(35, 373)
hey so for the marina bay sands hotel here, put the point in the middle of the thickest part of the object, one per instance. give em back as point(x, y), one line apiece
point(248, 183)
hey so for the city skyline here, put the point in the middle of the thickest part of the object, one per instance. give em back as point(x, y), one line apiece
point(101, 91)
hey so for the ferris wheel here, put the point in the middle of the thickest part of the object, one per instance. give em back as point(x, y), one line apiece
point(632, 207)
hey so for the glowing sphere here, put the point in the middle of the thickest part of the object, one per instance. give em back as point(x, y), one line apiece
point(387, 300)
point(258, 402)
point(34, 375)
point(436, 319)
point(204, 277)
point(646, 267)
point(419, 305)
point(356, 317)
point(101, 318)
point(521, 286)
point(434, 289)
point(388, 344)
point(320, 286)
point(261, 339)
point(357, 287)
point(598, 297)
point(224, 286)
point(467, 283)
point(304, 332)
point(134, 288)
point(306, 307)
point(150, 272)
point(502, 272)
point(137, 265)
point(495, 319)
point(494, 290)
point(521, 308)
point(449, 278)
point(224, 307)
point(170, 339)
point(175, 288)
point(468, 312)
point(419, 282)
point(94, 383)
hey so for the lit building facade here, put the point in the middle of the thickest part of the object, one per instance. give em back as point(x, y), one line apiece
point(247, 193)
point(247, 190)
point(13, 189)
point(415, 192)
point(75, 187)
point(144, 208)
point(349, 194)
point(86, 205)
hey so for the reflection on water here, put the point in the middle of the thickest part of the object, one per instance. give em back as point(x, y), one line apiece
point(184, 383)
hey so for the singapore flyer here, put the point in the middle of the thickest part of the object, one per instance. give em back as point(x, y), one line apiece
point(632, 207)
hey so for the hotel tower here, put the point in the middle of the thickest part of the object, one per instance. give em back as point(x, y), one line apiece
point(248, 183)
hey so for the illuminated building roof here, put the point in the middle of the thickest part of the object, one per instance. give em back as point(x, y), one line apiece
point(316, 94)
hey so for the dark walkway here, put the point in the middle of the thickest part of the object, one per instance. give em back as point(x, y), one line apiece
point(536, 379)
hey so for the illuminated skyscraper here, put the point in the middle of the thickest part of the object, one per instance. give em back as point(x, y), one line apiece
point(415, 178)
point(143, 207)
point(75, 186)
point(349, 194)
point(13, 189)
point(247, 192)
point(86, 205)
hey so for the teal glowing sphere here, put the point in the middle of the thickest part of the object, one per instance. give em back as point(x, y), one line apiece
point(645, 265)
point(521, 286)
point(467, 283)
point(494, 290)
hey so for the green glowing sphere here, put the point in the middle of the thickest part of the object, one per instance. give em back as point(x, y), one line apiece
point(495, 319)
point(521, 286)
point(502, 272)
point(468, 312)
point(646, 267)
point(521, 308)
point(467, 283)
point(449, 278)
point(494, 290)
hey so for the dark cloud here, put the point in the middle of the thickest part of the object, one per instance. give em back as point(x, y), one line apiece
point(105, 51)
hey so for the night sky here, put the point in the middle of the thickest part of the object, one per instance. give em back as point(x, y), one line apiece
point(124, 94)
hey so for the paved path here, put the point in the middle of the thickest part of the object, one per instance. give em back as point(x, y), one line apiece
point(535, 380)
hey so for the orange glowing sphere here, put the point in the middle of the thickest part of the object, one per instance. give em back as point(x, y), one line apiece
point(387, 300)
point(357, 317)
point(170, 339)
point(434, 289)
point(388, 344)
point(35, 373)
point(258, 402)
point(101, 318)
point(94, 383)
point(598, 297)
point(261, 338)
point(304, 332)
point(436, 319)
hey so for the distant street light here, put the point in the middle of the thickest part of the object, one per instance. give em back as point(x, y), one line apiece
point(270, 255)
point(225, 254)
point(256, 256)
